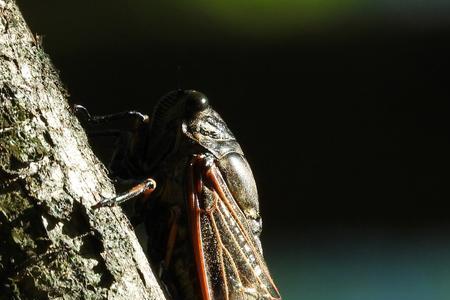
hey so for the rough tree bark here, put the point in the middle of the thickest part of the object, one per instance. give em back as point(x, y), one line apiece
point(52, 244)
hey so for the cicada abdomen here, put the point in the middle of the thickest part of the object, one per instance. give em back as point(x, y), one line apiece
point(203, 219)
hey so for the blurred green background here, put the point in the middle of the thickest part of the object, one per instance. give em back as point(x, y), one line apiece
point(341, 107)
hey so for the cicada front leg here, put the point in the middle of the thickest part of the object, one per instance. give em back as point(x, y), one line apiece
point(110, 117)
point(144, 188)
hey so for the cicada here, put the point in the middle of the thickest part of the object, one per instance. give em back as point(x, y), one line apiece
point(198, 198)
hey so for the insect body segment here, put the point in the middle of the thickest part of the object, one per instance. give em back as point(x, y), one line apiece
point(203, 219)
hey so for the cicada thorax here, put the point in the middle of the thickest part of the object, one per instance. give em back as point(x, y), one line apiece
point(211, 132)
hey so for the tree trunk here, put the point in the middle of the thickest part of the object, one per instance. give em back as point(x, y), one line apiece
point(52, 244)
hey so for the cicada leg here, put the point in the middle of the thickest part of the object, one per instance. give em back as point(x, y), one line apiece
point(146, 187)
point(111, 117)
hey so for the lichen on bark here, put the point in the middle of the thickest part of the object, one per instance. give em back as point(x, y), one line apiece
point(52, 244)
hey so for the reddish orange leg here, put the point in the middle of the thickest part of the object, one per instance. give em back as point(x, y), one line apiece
point(146, 187)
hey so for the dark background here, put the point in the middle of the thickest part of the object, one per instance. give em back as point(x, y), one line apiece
point(341, 108)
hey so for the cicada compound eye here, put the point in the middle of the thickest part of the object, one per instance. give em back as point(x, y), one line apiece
point(196, 101)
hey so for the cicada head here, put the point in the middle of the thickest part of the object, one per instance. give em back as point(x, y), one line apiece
point(170, 117)
point(176, 107)
point(195, 102)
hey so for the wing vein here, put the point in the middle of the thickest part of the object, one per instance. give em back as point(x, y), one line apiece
point(261, 283)
point(218, 182)
point(221, 247)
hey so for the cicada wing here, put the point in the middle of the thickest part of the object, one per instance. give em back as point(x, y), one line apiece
point(229, 263)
